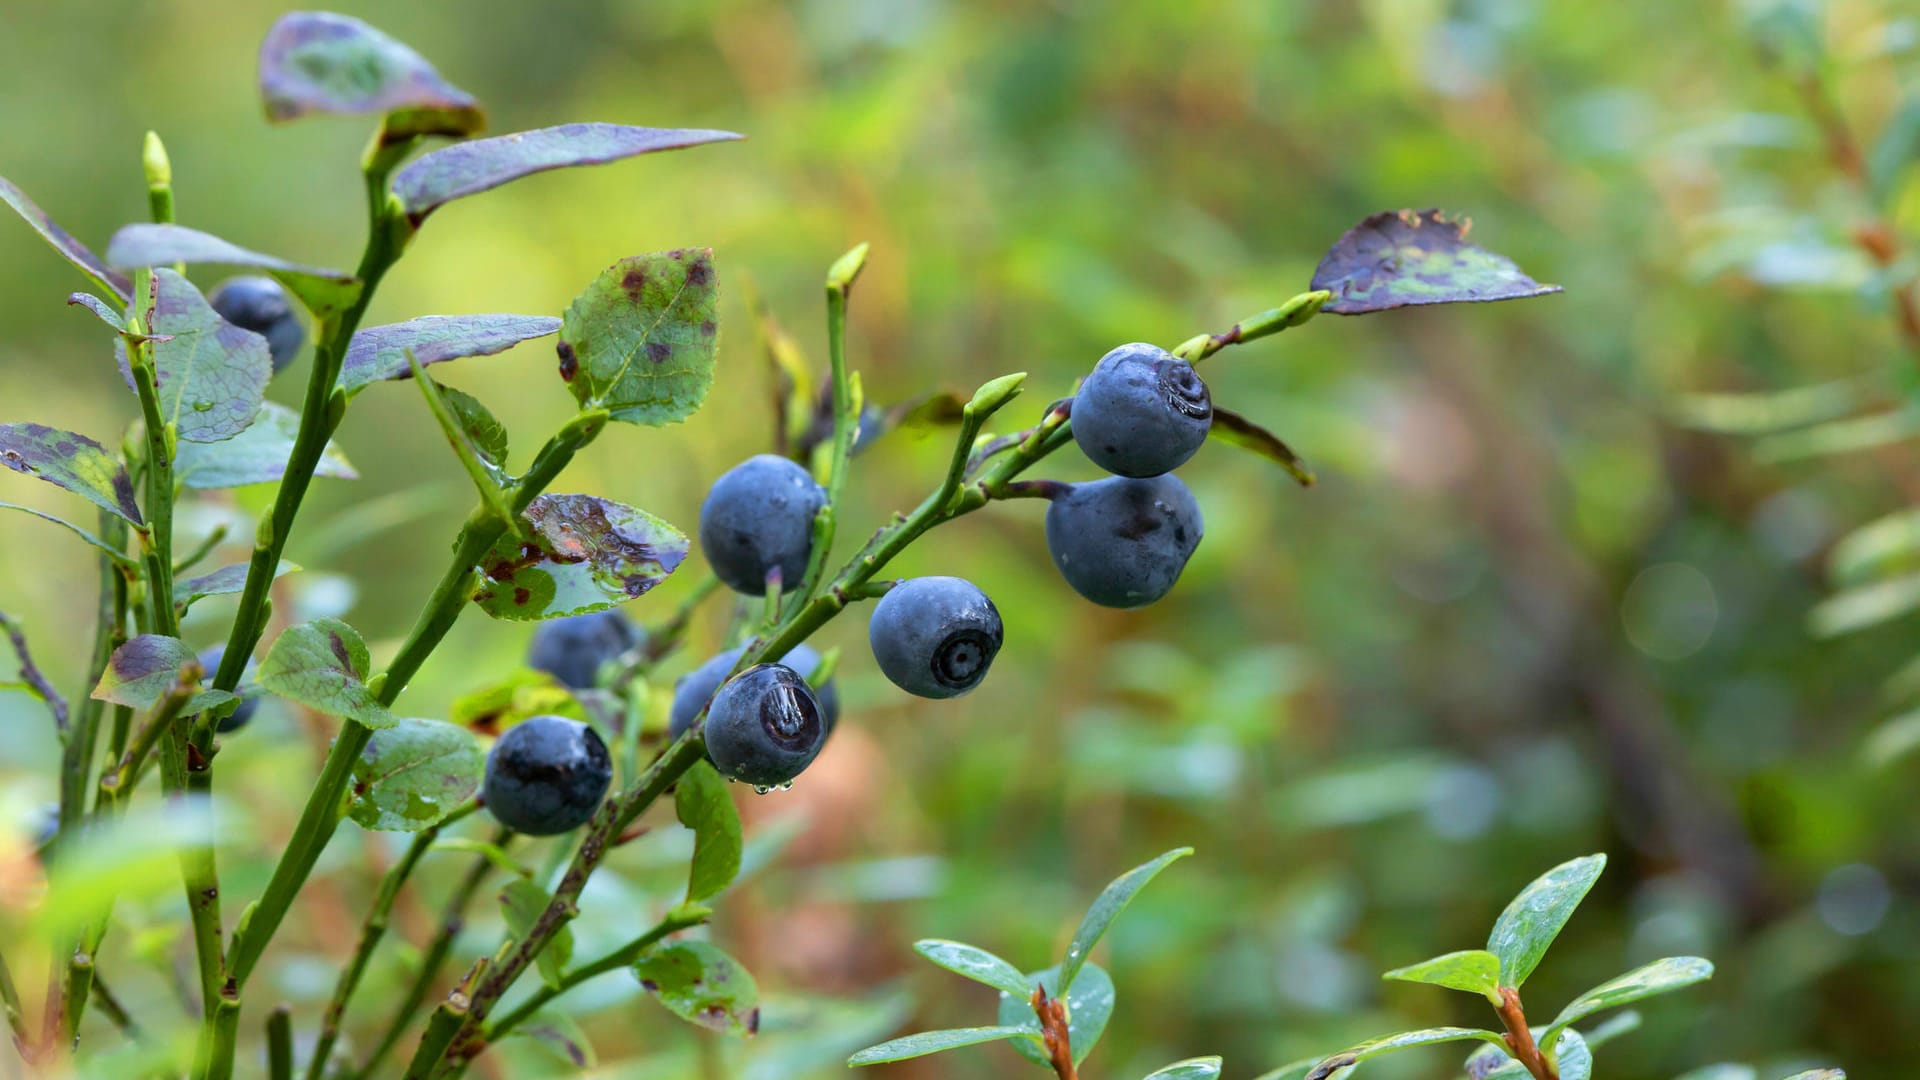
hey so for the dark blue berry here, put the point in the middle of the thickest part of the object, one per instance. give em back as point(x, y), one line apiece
point(1121, 542)
point(758, 518)
point(573, 649)
point(764, 726)
point(242, 715)
point(1143, 412)
point(546, 775)
point(935, 636)
point(259, 304)
point(691, 692)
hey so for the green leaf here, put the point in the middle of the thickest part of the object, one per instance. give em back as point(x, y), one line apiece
point(1771, 411)
point(1108, 905)
point(699, 983)
point(522, 902)
point(319, 62)
point(116, 554)
point(380, 352)
point(71, 461)
point(1864, 606)
point(1574, 1057)
point(1475, 971)
point(63, 242)
point(221, 582)
point(105, 313)
point(1897, 148)
point(493, 709)
point(1882, 545)
point(483, 430)
point(1893, 739)
point(325, 292)
point(639, 342)
point(1851, 435)
point(1089, 1007)
point(975, 963)
point(703, 804)
point(1236, 430)
point(1200, 1068)
point(1724, 1070)
point(413, 774)
point(1387, 1044)
point(1820, 1074)
point(469, 168)
point(933, 1042)
point(558, 1034)
point(1611, 1028)
point(142, 670)
point(1293, 1070)
point(323, 665)
point(1659, 977)
point(1530, 923)
point(1402, 257)
point(580, 554)
point(257, 455)
point(210, 375)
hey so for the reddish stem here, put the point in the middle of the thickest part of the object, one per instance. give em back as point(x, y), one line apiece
point(1520, 1037)
point(1053, 1033)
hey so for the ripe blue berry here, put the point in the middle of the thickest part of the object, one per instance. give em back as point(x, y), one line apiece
point(1143, 412)
point(573, 649)
point(242, 715)
point(764, 726)
point(757, 518)
point(546, 775)
point(692, 691)
point(1122, 542)
point(935, 636)
point(259, 304)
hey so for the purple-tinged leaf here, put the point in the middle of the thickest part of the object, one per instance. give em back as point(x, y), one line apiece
point(639, 342)
point(1406, 257)
point(580, 554)
point(380, 352)
point(102, 310)
point(63, 242)
point(211, 375)
point(257, 455)
point(71, 461)
point(560, 1035)
point(323, 665)
point(325, 292)
point(469, 168)
point(116, 554)
point(1236, 430)
point(145, 668)
point(700, 984)
point(319, 62)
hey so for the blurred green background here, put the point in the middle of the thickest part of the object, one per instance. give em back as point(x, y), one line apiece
point(1525, 615)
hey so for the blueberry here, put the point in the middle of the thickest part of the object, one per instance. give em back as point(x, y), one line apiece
point(758, 517)
point(764, 726)
point(691, 692)
point(242, 715)
point(935, 636)
point(259, 304)
point(573, 649)
point(1122, 542)
point(1143, 412)
point(547, 775)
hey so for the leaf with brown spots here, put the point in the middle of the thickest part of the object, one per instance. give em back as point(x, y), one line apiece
point(143, 669)
point(380, 352)
point(71, 461)
point(580, 553)
point(323, 665)
point(559, 1035)
point(1401, 258)
point(640, 339)
point(63, 242)
point(414, 774)
point(484, 164)
point(699, 983)
point(319, 62)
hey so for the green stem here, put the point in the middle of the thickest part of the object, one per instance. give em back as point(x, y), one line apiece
point(280, 1043)
point(372, 929)
point(846, 419)
point(10, 998)
point(201, 550)
point(111, 1008)
point(445, 1023)
point(613, 961)
point(452, 919)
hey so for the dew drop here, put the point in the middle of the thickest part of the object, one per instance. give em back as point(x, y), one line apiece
point(203, 406)
point(788, 786)
point(761, 789)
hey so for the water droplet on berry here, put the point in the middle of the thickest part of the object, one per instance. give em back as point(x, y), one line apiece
point(761, 789)
point(788, 786)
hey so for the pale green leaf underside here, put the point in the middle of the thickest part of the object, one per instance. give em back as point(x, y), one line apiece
point(1659, 977)
point(933, 1042)
point(975, 963)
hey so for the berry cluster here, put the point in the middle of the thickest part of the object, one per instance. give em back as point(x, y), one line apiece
point(1120, 542)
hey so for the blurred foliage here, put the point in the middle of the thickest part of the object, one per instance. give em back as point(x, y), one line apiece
point(1526, 613)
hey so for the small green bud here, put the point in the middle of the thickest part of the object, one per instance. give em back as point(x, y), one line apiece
point(841, 276)
point(153, 156)
point(995, 393)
